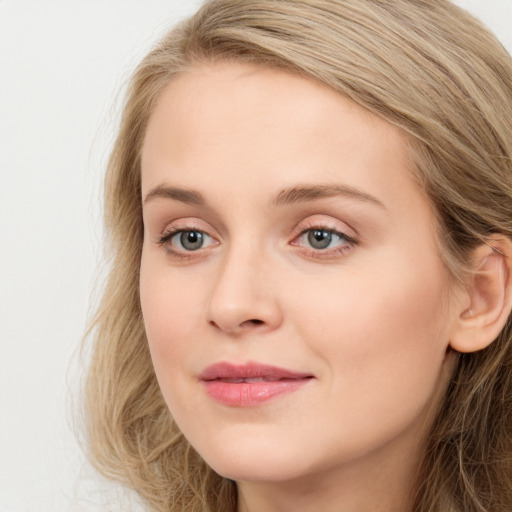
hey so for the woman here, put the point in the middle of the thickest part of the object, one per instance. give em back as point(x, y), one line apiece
point(309, 209)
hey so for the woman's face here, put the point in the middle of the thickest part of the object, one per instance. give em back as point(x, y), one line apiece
point(295, 304)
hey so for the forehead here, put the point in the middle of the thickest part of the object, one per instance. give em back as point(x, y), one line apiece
point(240, 124)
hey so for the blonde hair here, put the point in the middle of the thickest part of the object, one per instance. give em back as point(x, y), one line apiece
point(427, 67)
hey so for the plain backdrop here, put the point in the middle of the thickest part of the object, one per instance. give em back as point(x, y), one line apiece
point(63, 64)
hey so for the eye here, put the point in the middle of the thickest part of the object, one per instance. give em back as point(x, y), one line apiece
point(190, 240)
point(180, 241)
point(323, 241)
point(319, 238)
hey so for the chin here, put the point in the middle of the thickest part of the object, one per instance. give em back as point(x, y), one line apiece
point(262, 470)
point(256, 461)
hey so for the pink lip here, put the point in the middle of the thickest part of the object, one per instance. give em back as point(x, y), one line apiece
point(250, 384)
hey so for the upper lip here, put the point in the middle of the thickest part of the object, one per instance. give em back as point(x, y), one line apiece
point(251, 370)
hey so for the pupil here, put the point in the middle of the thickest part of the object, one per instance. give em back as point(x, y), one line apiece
point(191, 240)
point(319, 238)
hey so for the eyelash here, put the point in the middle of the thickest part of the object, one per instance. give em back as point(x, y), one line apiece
point(303, 229)
point(166, 238)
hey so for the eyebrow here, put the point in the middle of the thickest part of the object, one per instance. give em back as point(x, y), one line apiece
point(300, 194)
point(176, 194)
point(297, 194)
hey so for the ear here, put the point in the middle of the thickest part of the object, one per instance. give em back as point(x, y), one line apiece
point(488, 300)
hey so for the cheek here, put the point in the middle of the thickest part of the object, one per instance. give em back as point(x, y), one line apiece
point(383, 336)
point(171, 311)
point(395, 311)
point(376, 307)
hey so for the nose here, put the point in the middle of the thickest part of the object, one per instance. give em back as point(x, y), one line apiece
point(243, 298)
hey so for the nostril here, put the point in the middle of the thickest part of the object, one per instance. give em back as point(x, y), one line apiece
point(252, 321)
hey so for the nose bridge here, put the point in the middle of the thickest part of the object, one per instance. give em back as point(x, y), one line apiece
point(242, 296)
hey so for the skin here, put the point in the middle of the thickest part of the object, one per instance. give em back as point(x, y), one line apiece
point(370, 320)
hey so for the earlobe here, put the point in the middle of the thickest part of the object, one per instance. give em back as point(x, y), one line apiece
point(489, 297)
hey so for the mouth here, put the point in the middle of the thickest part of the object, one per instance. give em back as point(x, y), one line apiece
point(251, 384)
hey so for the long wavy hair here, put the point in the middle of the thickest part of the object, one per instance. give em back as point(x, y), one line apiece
point(428, 68)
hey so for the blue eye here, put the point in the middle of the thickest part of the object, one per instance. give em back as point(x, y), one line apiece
point(190, 240)
point(321, 239)
point(186, 240)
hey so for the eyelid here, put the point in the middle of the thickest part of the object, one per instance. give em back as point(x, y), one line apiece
point(169, 235)
point(321, 223)
point(188, 224)
point(181, 226)
point(325, 222)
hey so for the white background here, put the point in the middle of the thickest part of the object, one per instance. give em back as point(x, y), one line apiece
point(62, 65)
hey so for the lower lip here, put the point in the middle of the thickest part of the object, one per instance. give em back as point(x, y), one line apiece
point(250, 394)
